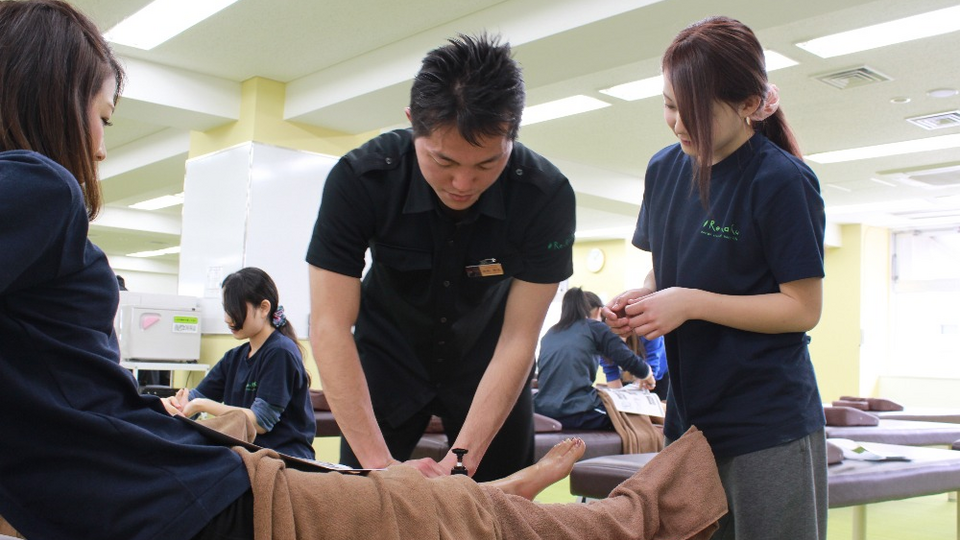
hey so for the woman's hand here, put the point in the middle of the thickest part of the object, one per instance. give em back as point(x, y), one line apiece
point(169, 405)
point(615, 314)
point(649, 383)
point(175, 404)
point(659, 313)
point(197, 406)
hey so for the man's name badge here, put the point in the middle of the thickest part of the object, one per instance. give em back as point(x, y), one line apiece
point(487, 267)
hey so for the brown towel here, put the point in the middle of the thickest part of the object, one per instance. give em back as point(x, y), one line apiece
point(233, 423)
point(7, 529)
point(635, 430)
point(678, 495)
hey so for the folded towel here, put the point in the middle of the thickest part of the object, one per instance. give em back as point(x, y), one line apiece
point(637, 432)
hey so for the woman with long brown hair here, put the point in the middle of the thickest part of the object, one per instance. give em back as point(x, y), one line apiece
point(735, 221)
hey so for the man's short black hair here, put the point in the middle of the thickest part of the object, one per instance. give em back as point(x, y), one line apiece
point(472, 83)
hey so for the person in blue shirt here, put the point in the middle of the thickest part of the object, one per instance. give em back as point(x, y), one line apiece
point(569, 358)
point(85, 456)
point(652, 352)
point(734, 221)
point(265, 377)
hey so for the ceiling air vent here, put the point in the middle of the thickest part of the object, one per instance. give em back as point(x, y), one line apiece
point(942, 178)
point(852, 78)
point(937, 121)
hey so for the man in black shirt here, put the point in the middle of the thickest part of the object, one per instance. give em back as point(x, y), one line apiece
point(470, 234)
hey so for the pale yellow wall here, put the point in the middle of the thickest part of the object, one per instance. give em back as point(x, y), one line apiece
point(875, 291)
point(261, 120)
point(625, 267)
point(835, 342)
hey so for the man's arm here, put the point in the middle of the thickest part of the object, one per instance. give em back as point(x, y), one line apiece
point(334, 305)
point(504, 378)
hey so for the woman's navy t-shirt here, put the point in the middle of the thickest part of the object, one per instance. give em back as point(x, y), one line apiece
point(82, 453)
point(764, 226)
point(275, 374)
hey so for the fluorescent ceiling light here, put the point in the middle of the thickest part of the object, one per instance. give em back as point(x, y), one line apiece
point(159, 202)
point(653, 86)
point(934, 23)
point(156, 253)
point(891, 149)
point(552, 110)
point(634, 90)
point(775, 60)
point(161, 20)
point(883, 182)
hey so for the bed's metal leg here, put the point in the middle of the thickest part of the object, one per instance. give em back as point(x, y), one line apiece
point(860, 522)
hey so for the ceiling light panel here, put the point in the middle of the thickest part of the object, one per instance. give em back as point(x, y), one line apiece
point(156, 252)
point(159, 202)
point(560, 108)
point(161, 20)
point(933, 23)
point(928, 144)
point(653, 86)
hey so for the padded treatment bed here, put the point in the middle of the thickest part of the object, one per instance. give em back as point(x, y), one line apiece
point(923, 414)
point(850, 483)
point(904, 432)
point(547, 434)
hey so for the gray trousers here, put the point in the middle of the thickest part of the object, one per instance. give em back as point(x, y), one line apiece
point(780, 492)
point(777, 493)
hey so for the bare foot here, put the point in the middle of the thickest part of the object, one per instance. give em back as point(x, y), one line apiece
point(552, 467)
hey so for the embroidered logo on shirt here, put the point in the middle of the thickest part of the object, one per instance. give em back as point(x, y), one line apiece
point(251, 387)
point(560, 245)
point(716, 230)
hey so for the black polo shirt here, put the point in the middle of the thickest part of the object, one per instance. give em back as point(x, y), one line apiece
point(427, 329)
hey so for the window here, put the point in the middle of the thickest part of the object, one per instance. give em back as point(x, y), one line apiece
point(925, 303)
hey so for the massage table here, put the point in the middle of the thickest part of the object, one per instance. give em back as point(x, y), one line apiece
point(922, 414)
point(904, 432)
point(547, 434)
point(930, 471)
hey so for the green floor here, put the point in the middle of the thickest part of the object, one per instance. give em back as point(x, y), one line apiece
point(922, 518)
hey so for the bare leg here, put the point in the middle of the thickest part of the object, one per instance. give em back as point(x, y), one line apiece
point(552, 467)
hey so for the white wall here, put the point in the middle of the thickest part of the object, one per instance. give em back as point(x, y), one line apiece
point(148, 282)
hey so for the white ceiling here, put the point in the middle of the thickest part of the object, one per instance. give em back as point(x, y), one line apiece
point(347, 65)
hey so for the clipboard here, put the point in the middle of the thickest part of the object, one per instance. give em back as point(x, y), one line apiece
point(300, 464)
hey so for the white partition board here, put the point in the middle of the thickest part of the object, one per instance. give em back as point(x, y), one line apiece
point(250, 205)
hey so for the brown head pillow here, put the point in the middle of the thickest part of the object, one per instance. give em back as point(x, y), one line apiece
point(848, 416)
